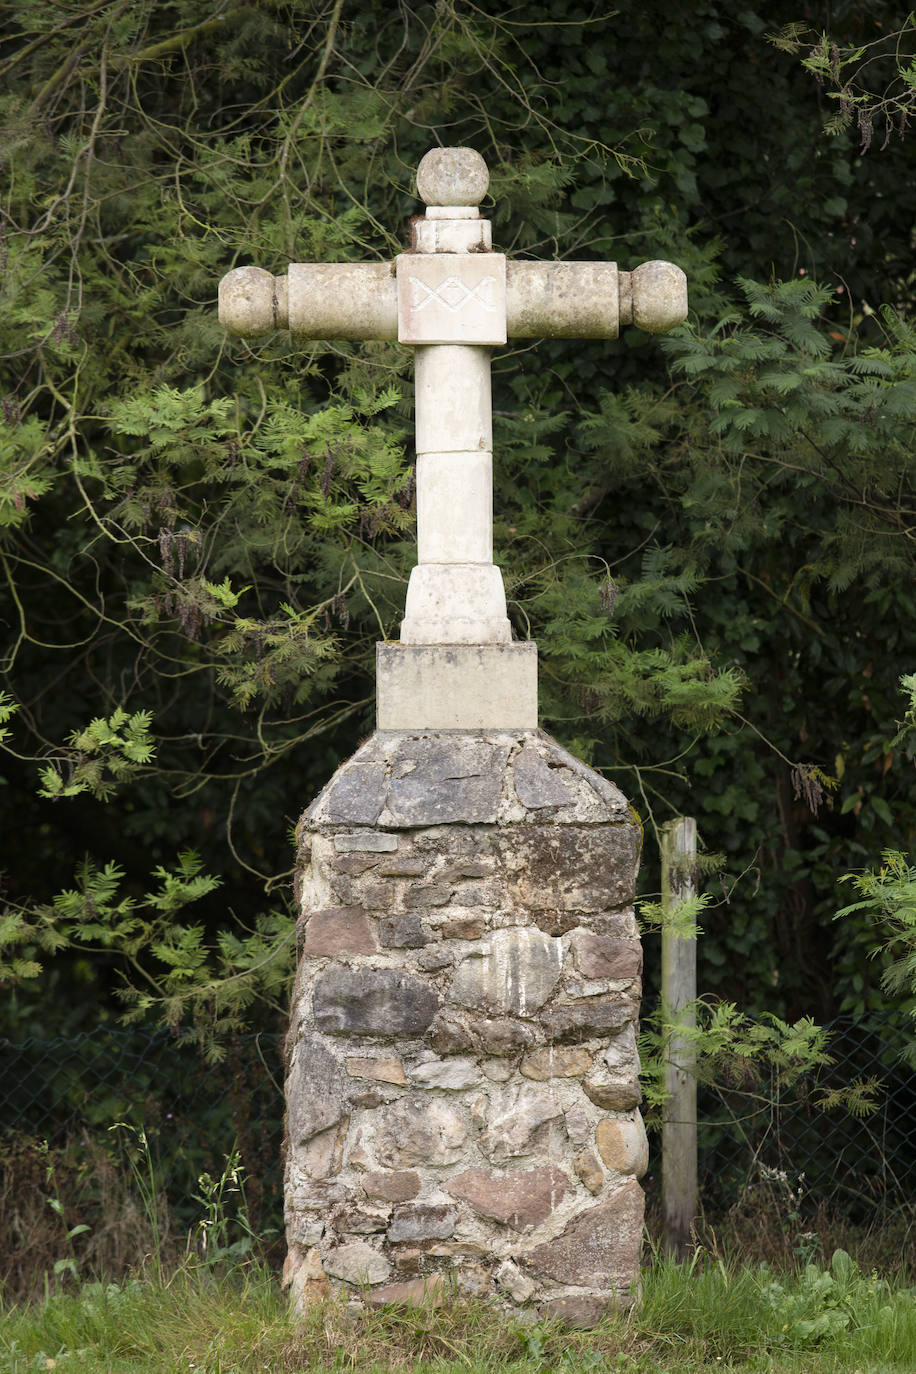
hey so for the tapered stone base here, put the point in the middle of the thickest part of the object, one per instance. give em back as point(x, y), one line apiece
point(462, 1070)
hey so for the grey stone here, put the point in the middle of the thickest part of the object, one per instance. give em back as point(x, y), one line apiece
point(517, 1285)
point(516, 975)
point(354, 865)
point(357, 1262)
point(359, 1221)
point(599, 1249)
point(321, 1156)
point(427, 894)
point(578, 1125)
point(367, 1099)
point(406, 867)
point(356, 794)
point(584, 1020)
point(520, 1200)
point(607, 791)
point(466, 868)
point(453, 1075)
point(536, 785)
point(433, 959)
point(520, 1126)
point(403, 932)
point(372, 1002)
point(371, 841)
point(314, 1090)
point(438, 780)
point(419, 1130)
point(454, 1032)
point(622, 1053)
point(421, 1222)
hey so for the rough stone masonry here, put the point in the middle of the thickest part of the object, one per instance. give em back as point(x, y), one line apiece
point(462, 1065)
point(462, 1076)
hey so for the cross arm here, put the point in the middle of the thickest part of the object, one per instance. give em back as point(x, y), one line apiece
point(572, 300)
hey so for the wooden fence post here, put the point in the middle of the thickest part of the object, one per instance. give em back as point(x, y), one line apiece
point(679, 988)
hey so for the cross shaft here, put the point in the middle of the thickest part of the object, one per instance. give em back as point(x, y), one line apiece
point(452, 299)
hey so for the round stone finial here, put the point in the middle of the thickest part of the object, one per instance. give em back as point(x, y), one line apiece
point(452, 176)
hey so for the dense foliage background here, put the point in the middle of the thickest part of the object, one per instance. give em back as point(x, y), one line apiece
point(711, 537)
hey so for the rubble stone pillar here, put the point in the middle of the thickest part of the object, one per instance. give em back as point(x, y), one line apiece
point(462, 1067)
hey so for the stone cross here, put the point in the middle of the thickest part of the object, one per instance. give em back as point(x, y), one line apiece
point(452, 299)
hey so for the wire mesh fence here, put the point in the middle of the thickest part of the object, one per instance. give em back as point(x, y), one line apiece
point(850, 1163)
point(193, 1114)
point(197, 1113)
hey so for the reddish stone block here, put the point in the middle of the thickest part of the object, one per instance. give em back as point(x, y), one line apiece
point(339, 930)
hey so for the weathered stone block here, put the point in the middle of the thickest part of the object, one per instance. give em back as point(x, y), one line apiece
point(356, 794)
point(520, 1200)
point(556, 1061)
point(372, 1002)
point(339, 930)
point(404, 867)
point(613, 1095)
point(448, 780)
point(357, 1263)
point(423, 895)
point(623, 1145)
point(417, 1130)
point(402, 932)
point(518, 1285)
point(587, 1019)
point(367, 1100)
point(400, 1186)
point(304, 1275)
point(536, 784)
point(589, 1171)
point(354, 865)
point(601, 956)
point(572, 868)
point(368, 841)
point(379, 1070)
point(515, 975)
point(359, 1221)
point(463, 928)
point(598, 1249)
point(314, 1091)
point(521, 1124)
point(452, 1075)
point(322, 1155)
point(427, 1291)
point(453, 1033)
point(420, 1222)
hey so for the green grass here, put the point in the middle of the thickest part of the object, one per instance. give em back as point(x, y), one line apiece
point(695, 1317)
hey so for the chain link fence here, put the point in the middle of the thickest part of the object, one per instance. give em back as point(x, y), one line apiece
point(851, 1164)
point(196, 1113)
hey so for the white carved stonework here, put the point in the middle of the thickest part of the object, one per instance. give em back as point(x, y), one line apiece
point(451, 298)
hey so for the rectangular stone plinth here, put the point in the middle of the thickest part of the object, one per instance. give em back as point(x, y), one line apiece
point(457, 686)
